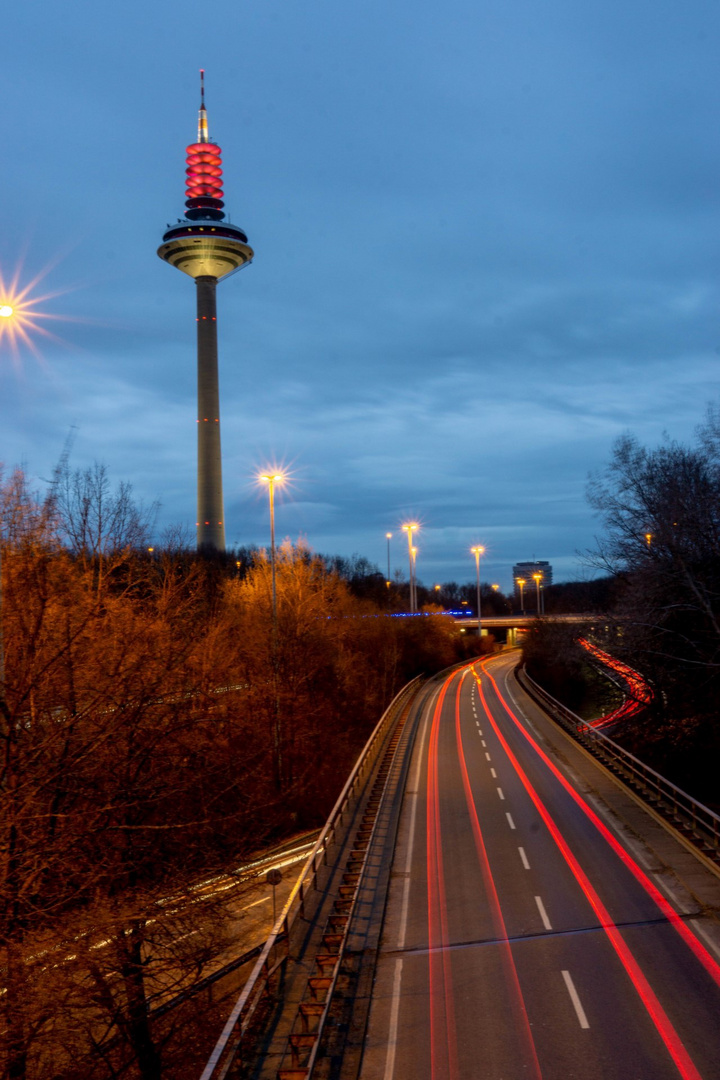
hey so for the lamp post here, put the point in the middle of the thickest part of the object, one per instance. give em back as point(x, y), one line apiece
point(537, 578)
point(414, 577)
point(477, 551)
point(271, 479)
point(410, 528)
point(521, 583)
point(388, 537)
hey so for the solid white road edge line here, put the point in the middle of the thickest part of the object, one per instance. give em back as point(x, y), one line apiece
point(411, 831)
point(395, 1004)
point(394, 1014)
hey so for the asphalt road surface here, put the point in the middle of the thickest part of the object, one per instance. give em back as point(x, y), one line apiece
point(535, 926)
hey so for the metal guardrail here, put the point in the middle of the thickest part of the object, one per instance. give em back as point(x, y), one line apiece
point(276, 949)
point(689, 815)
point(355, 874)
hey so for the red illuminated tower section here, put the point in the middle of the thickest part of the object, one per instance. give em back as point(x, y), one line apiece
point(208, 249)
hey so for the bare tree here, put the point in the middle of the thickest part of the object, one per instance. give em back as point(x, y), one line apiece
point(100, 525)
point(661, 514)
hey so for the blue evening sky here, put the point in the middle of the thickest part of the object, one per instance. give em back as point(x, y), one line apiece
point(486, 243)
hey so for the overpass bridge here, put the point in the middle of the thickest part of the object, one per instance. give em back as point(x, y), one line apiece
point(512, 624)
point(487, 901)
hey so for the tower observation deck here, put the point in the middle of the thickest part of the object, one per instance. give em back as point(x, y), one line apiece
point(207, 248)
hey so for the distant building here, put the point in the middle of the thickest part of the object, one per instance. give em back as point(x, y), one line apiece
point(526, 570)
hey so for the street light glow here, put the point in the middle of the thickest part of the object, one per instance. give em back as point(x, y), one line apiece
point(20, 319)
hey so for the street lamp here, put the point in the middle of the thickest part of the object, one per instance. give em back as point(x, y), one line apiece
point(410, 528)
point(388, 537)
point(537, 578)
point(521, 583)
point(477, 551)
point(414, 576)
point(271, 479)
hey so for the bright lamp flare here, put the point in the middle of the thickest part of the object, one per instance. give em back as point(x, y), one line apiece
point(277, 476)
point(20, 319)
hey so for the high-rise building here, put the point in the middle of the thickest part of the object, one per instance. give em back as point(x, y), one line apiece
point(207, 248)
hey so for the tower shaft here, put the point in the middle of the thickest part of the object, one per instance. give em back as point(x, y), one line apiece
point(210, 515)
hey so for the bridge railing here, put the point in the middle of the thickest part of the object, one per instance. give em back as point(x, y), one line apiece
point(276, 949)
point(689, 815)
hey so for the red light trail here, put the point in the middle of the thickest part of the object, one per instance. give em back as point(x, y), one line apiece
point(639, 690)
point(522, 1023)
point(710, 965)
point(664, 1027)
point(443, 1038)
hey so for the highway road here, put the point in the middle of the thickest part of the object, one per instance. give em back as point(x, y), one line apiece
point(534, 925)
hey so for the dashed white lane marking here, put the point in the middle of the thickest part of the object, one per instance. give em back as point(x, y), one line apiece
point(524, 858)
point(487, 756)
point(483, 742)
point(493, 774)
point(510, 821)
point(637, 850)
point(500, 793)
point(543, 913)
point(579, 1011)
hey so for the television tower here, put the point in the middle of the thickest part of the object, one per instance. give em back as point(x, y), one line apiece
point(208, 249)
